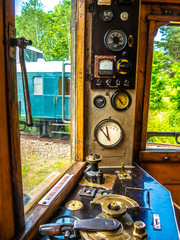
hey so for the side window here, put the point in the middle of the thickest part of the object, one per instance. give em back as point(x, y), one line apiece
point(164, 105)
point(46, 146)
point(38, 85)
point(67, 86)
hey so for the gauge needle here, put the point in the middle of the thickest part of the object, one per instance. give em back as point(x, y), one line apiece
point(104, 133)
point(107, 133)
point(120, 100)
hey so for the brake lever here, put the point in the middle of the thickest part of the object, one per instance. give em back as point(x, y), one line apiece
point(68, 229)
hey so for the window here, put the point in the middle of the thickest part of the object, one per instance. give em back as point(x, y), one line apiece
point(67, 86)
point(46, 146)
point(164, 105)
point(38, 85)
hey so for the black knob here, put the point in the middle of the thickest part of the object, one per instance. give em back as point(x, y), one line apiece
point(99, 82)
point(124, 66)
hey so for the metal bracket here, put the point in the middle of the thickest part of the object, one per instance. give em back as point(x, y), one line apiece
point(12, 35)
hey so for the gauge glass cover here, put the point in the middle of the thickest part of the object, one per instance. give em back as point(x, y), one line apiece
point(99, 101)
point(115, 40)
point(106, 15)
point(108, 133)
point(120, 100)
point(106, 64)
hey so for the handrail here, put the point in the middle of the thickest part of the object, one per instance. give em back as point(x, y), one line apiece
point(164, 134)
point(63, 92)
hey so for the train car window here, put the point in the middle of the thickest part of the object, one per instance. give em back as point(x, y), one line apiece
point(38, 85)
point(164, 116)
point(67, 86)
point(46, 146)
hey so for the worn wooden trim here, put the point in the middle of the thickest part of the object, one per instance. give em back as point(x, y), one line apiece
point(40, 214)
point(160, 18)
point(80, 78)
point(157, 156)
point(161, 1)
point(143, 40)
point(48, 183)
point(13, 123)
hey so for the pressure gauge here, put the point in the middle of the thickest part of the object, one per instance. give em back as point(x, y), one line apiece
point(99, 101)
point(106, 15)
point(108, 133)
point(115, 40)
point(121, 100)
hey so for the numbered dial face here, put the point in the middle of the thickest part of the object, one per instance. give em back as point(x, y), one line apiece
point(115, 40)
point(105, 67)
point(108, 133)
point(120, 100)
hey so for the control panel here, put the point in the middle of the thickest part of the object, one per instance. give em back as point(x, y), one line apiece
point(114, 43)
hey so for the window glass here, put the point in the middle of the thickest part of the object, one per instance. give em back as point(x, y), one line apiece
point(38, 85)
point(46, 146)
point(164, 105)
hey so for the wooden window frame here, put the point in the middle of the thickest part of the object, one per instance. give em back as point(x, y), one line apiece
point(26, 226)
point(148, 28)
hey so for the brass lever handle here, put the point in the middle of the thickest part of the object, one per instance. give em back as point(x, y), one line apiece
point(22, 44)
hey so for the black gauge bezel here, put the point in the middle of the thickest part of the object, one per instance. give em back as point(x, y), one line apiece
point(122, 33)
point(104, 101)
point(113, 97)
point(97, 127)
point(101, 13)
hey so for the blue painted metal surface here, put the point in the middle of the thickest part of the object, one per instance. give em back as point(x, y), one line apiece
point(48, 105)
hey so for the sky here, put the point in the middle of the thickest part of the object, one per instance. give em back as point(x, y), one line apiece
point(48, 5)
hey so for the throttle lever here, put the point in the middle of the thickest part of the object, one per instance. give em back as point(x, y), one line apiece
point(22, 43)
point(67, 229)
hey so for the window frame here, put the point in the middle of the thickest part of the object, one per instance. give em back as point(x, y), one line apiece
point(149, 26)
point(38, 214)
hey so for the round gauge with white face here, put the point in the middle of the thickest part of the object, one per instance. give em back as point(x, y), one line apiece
point(115, 40)
point(108, 133)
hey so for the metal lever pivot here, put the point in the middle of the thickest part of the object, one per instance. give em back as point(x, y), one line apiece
point(68, 229)
point(22, 43)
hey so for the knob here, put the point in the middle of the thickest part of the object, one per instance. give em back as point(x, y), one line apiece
point(139, 230)
point(99, 82)
point(118, 82)
point(124, 66)
point(126, 83)
point(109, 81)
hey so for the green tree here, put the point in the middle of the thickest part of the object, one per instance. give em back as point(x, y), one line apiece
point(158, 81)
point(169, 45)
point(50, 32)
point(31, 24)
point(56, 45)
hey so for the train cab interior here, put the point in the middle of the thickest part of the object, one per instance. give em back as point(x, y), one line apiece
point(90, 119)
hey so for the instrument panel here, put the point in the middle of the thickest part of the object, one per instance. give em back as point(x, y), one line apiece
point(114, 44)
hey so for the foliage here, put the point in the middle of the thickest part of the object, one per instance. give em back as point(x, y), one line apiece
point(158, 81)
point(50, 32)
point(164, 114)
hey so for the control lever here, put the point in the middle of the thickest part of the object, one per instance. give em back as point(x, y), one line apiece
point(68, 229)
point(22, 43)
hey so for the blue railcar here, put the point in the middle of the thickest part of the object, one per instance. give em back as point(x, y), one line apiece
point(45, 88)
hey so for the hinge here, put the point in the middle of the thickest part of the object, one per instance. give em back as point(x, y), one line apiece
point(12, 35)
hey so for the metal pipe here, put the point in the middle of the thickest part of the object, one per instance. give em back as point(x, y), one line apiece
point(63, 91)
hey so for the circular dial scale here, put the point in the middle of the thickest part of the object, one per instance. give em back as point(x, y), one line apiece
point(120, 100)
point(108, 133)
point(115, 40)
point(106, 65)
